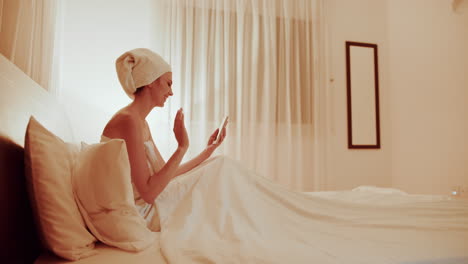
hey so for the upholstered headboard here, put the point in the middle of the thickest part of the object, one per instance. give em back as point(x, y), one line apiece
point(21, 97)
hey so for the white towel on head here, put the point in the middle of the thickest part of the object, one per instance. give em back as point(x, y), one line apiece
point(139, 67)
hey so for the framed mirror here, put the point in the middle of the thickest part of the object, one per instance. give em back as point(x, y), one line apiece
point(362, 80)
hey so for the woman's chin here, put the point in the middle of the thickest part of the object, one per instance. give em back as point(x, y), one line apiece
point(159, 103)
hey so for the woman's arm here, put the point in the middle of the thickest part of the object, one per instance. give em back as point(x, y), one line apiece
point(189, 165)
point(205, 154)
point(150, 186)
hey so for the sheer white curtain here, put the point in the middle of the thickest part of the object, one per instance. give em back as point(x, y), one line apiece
point(27, 37)
point(252, 60)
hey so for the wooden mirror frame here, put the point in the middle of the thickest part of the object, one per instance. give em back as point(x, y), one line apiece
point(351, 144)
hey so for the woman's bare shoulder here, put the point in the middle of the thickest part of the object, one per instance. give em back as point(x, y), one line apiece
point(122, 123)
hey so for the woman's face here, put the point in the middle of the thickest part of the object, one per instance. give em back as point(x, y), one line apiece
point(161, 89)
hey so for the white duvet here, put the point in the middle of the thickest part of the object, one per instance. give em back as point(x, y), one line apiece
point(222, 213)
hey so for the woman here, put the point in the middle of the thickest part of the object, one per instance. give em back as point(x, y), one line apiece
point(147, 79)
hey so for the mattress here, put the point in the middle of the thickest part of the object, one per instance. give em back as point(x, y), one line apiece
point(107, 254)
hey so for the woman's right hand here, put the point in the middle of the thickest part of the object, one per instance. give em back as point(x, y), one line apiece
point(179, 130)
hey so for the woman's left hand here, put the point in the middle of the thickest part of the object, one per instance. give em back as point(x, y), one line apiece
point(212, 144)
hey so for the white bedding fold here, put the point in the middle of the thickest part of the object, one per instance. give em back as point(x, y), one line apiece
point(223, 213)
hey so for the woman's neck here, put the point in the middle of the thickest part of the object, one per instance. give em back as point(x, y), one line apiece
point(142, 106)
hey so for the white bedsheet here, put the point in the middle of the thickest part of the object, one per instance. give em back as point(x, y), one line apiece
point(222, 213)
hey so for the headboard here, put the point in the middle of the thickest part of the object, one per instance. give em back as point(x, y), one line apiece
point(21, 97)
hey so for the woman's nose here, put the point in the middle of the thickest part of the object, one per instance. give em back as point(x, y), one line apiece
point(170, 92)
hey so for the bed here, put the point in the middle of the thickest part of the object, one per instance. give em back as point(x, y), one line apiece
point(19, 243)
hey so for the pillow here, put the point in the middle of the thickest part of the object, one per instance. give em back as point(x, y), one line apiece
point(48, 165)
point(103, 191)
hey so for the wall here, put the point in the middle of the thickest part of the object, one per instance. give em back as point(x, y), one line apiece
point(428, 58)
point(345, 168)
point(94, 34)
point(423, 63)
